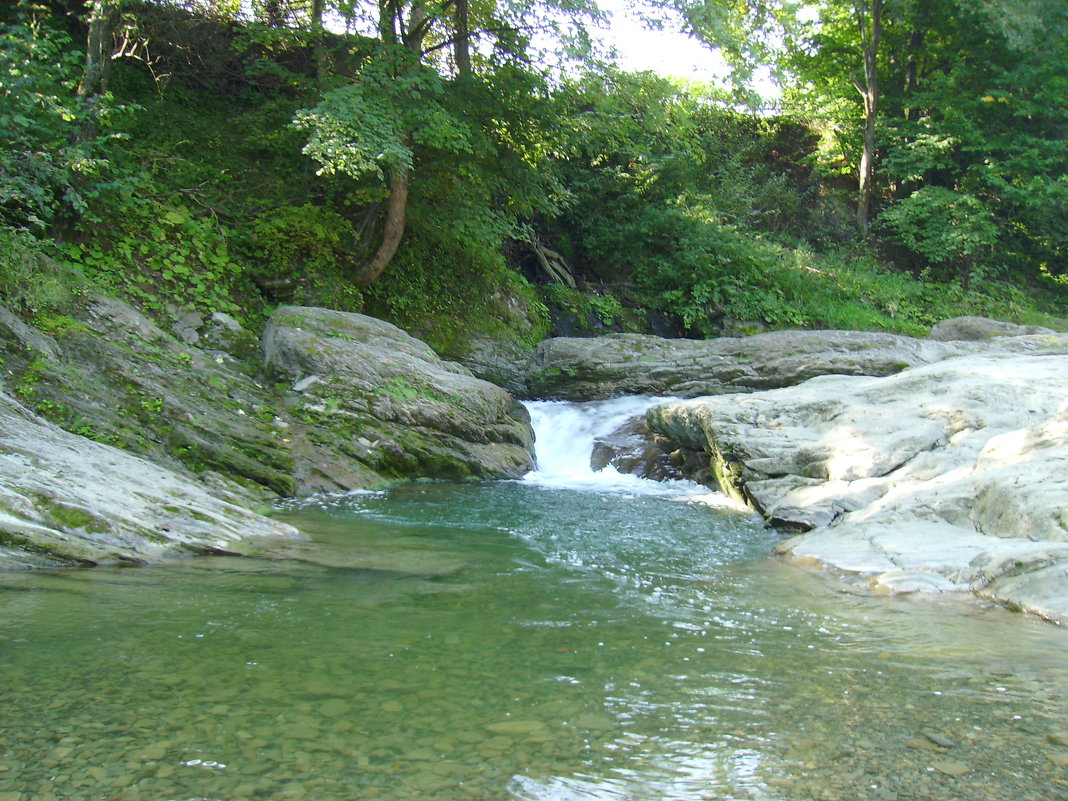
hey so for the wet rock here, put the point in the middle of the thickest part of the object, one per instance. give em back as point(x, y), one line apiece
point(516, 727)
point(334, 708)
point(1059, 738)
point(938, 739)
point(950, 767)
point(923, 744)
point(634, 449)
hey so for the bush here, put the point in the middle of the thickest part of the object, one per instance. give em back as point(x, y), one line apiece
point(33, 279)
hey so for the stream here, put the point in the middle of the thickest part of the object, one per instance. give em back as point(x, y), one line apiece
point(572, 635)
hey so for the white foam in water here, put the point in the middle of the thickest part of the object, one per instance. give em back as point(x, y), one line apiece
point(565, 433)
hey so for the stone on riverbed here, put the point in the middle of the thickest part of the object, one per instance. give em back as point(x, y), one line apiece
point(950, 476)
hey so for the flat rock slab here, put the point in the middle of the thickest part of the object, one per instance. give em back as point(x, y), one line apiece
point(66, 500)
point(949, 476)
point(638, 364)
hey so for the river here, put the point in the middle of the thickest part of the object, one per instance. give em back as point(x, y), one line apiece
point(567, 636)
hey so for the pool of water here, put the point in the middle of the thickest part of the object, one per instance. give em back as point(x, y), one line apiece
point(588, 638)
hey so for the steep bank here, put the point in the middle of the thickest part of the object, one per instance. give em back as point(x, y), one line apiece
point(948, 476)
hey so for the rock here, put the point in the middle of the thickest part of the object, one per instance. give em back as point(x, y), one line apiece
point(334, 708)
point(939, 739)
point(1059, 738)
point(113, 376)
point(633, 448)
point(515, 728)
point(66, 500)
point(923, 744)
point(978, 329)
point(499, 361)
point(951, 476)
point(637, 364)
point(222, 332)
point(386, 407)
point(950, 767)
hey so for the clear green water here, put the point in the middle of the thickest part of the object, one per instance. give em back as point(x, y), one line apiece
point(516, 641)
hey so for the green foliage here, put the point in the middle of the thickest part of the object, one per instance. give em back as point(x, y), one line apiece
point(33, 278)
point(591, 309)
point(953, 231)
point(370, 125)
point(164, 254)
point(310, 246)
point(38, 71)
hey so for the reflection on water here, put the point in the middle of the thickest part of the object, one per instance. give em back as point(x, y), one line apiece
point(519, 641)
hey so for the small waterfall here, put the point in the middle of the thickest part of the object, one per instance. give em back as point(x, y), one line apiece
point(565, 433)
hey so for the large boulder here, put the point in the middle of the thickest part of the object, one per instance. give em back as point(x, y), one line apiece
point(637, 364)
point(948, 476)
point(372, 403)
point(499, 361)
point(66, 500)
point(110, 374)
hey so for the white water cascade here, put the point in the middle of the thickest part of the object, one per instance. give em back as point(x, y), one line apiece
point(565, 433)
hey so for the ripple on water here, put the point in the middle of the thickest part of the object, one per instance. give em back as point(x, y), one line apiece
point(490, 642)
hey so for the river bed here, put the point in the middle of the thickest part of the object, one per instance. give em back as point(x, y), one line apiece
point(569, 636)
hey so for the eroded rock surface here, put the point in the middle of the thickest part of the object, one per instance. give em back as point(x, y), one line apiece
point(948, 476)
point(371, 402)
point(637, 364)
point(66, 500)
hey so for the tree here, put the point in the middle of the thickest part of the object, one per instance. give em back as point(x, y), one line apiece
point(374, 125)
point(868, 16)
point(975, 115)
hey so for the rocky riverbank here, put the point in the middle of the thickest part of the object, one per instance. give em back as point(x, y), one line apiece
point(154, 445)
point(920, 465)
point(950, 476)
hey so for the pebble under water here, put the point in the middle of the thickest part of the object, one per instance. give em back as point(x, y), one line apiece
point(555, 639)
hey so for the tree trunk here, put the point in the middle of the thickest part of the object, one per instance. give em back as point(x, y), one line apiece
point(319, 36)
point(411, 36)
point(869, 22)
point(462, 45)
point(396, 216)
point(387, 21)
point(94, 83)
point(91, 92)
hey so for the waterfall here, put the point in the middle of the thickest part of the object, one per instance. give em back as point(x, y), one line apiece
point(564, 438)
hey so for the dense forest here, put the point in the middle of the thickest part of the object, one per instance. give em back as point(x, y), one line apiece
point(465, 167)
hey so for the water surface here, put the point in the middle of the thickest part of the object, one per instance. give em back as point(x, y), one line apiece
point(571, 636)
